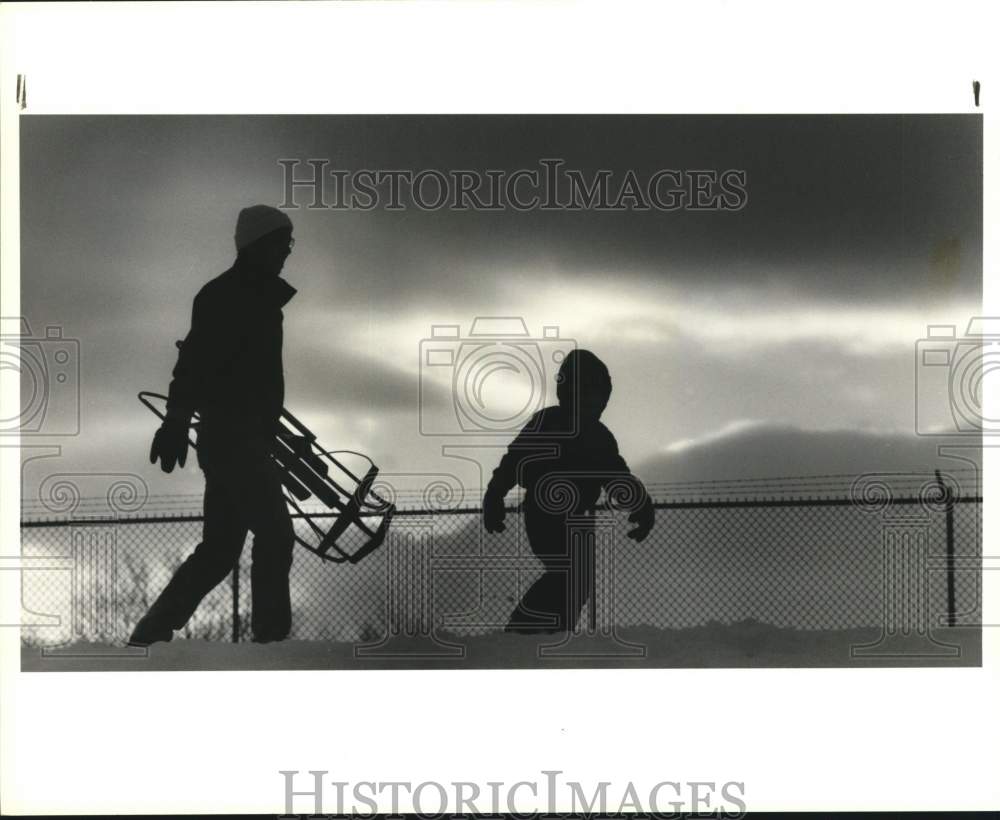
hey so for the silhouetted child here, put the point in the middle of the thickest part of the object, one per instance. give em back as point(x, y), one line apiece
point(564, 457)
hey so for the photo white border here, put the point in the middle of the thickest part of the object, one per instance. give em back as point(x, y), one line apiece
point(800, 739)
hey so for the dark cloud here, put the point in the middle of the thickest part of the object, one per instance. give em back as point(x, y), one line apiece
point(855, 207)
point(124, 218)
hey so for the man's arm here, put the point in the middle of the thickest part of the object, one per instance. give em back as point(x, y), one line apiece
point(208, 347)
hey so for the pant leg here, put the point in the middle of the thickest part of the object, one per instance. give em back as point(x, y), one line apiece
point(555, 600)
point(271, 555)
point(224, 531)
point(252, 482)
point(242, 493)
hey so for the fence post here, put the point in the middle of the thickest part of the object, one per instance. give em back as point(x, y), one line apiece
point(949, 529)
point(907, 631)
point(590, 558)
point(236, 603)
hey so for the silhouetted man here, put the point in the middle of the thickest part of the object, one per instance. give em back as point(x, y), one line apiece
point(563, 458)
point(229, 370)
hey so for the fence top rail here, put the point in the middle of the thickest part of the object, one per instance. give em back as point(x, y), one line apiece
point(170, 518)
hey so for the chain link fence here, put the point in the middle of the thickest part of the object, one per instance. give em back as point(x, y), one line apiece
point(861, 558)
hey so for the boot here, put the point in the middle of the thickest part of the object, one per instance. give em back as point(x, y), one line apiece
point(147, 632)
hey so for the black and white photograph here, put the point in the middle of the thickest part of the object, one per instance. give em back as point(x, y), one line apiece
point(372, 396)
point(502, 391)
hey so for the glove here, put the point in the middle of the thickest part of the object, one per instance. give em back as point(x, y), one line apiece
point(643, 517)
point(493, 512)
point(170, 445)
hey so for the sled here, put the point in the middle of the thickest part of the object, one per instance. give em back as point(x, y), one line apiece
point(308, 471)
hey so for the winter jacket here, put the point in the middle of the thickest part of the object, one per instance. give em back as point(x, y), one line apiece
point(563, 464)
point(229, 369)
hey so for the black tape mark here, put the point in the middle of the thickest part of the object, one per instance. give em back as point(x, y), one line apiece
point(22, 91)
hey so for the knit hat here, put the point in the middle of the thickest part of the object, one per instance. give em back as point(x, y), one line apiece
point(257, 221)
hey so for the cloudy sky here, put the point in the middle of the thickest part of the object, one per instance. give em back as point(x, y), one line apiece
point(797, 313)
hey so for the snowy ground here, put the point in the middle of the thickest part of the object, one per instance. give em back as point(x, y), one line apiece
point(746, 644)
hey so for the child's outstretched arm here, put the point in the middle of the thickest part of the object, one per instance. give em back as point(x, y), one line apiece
point(643, 516)
point(627, 492)
point(503, 480)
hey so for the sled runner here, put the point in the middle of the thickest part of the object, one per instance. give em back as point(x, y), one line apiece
point(309, 471)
